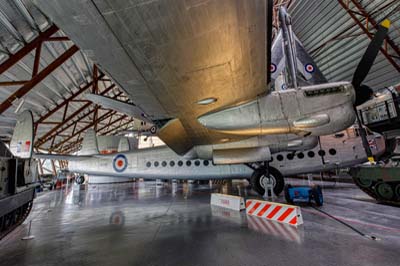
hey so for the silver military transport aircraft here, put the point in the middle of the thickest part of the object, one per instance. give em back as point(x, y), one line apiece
point(200, 72)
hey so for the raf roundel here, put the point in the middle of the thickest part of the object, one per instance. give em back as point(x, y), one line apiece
point(120, 163)
point(273, 68)
point(153, 130)
point(309, 68)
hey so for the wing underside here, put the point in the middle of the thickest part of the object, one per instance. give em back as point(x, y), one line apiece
point(168, 55)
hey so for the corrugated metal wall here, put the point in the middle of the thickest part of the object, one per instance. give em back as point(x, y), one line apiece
point(316, 22)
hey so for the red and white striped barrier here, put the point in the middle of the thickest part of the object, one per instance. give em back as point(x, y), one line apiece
point(227, 201)
point(281, 213)
point(279, 230)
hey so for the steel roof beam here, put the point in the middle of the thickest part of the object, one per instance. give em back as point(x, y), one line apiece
point(375, 24)
point(38, 78)
point(113, 129)
point(366, 31)
point(29, 47)
point(56, 130)
point(104, 116)
point(61, 105)
point(112, 123)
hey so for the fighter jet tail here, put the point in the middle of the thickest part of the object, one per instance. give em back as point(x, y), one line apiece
point(89, 144)
point(290, 58)
point(21, 144)
point(307, 71)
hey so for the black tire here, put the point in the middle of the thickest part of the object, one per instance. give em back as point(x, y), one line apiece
point(287, 196)
point(274, 174)
point(80, 180)
point(317, 195)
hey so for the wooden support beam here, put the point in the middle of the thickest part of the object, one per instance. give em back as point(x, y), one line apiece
point(13, 83)
point(375, 24)
point(48, 135)
point(104, 116)
point(13, 59)
point(112, 123)
point(116, 128)
point(61, 105)
point(37, 78)
point(36, 63)
point(50, 123)
point(65, 111)
point(366, 31)
point(57, 39)
point(95, 90)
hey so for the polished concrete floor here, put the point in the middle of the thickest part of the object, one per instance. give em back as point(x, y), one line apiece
point(142, 224)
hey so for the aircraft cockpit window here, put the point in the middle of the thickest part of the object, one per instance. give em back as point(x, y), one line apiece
point(172, 163)
point(279, 157)
point(311, 154)
point(188, 163)
point(300, 155)
point(339, 135)
point(156, 164)
point(197, 163)
point(180, 163)
point(332, 151)
point(206, 162)
point(164, 163)
point(148, 164)
point(321, 153)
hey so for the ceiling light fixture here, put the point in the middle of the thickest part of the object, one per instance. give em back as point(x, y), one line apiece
point(207, 101)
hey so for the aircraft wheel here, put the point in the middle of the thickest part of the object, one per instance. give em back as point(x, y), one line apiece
point(258, 177)
point(80, 180)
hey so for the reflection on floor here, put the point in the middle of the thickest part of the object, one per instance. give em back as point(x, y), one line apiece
point(144, 224)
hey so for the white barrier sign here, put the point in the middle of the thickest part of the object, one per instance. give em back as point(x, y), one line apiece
point(228, 201)
point(282, 213)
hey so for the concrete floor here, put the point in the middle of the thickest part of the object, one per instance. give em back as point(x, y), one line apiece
point(142, 224)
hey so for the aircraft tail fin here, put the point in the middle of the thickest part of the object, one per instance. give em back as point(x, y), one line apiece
point(21, 144)
point(306, 66)
point(127, 144)
point(307, 70)
point(89, 144)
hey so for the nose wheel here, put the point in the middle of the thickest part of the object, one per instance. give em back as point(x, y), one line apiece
point(80, 180)
point(257, 180)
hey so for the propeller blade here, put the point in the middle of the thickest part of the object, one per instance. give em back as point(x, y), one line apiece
point(363, 94)
point(269, 14)
point(370, 54)
point(363, 136)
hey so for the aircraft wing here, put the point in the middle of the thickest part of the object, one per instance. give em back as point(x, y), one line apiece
point(60, 157)
point(125, 108)
point(168, 61)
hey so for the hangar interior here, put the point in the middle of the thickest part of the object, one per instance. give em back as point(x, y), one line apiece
point(162, 220)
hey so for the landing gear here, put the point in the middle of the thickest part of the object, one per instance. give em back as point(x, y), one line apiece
point(80, 179)
point(257, 179)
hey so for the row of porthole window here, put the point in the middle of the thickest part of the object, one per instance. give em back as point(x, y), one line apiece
point(310, 154)
point(279, 157)
point(179, 163)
